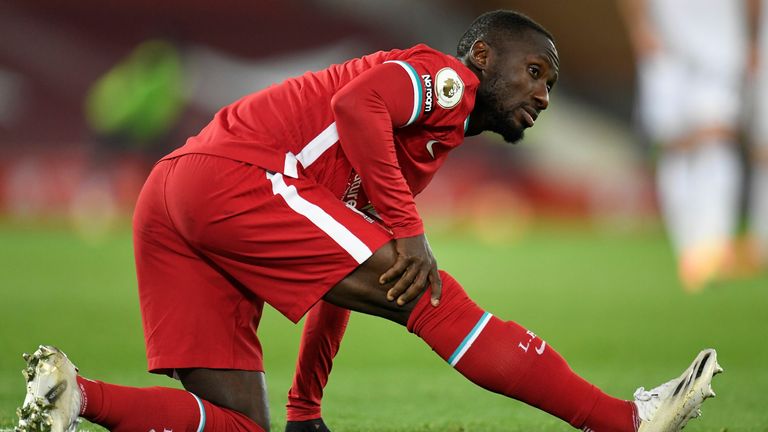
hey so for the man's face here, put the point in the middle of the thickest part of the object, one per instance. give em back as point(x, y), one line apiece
point(519, 77)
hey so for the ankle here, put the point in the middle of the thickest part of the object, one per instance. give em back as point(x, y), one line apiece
point(313, 425)
point(91, 397)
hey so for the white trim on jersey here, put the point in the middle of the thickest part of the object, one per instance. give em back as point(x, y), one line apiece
point(312, 151)
point(338, 232)
point(416, 81)
point(319, 144)
point(330, 136)
point(289, 168)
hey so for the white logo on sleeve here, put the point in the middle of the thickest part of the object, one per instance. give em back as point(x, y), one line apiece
point(430, 143)
point(427, 93)
point(449, 88)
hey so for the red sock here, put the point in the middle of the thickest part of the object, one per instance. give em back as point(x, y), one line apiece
point(125, 409)
point(505, 358)
point(323, 329)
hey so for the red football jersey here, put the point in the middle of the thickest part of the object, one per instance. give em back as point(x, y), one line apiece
point(378, 126)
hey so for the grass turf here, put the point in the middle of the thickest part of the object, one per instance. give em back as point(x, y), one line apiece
point(609, 303)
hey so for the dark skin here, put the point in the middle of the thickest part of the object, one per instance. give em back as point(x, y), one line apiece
point(515, 80)
point(516, 74)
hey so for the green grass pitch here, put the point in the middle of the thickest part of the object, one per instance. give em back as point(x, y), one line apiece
point(609, 303)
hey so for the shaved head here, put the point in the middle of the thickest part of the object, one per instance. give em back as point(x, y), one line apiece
point(496, 28)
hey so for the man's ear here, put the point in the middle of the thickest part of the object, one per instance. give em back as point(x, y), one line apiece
point(478, 54)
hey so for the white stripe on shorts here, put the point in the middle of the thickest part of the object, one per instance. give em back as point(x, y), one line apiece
point(338, 232)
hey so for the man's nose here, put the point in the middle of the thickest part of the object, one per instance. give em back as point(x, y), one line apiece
point(541, 96)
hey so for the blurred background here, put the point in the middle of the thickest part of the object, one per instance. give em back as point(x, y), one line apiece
point(92, 93)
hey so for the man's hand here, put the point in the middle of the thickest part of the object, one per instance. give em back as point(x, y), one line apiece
point(414, 269)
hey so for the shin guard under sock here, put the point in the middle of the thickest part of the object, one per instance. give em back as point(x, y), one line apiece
point(505, 358)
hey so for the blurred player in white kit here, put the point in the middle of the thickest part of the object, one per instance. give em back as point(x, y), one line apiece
point(758, 156)
point(691, 57)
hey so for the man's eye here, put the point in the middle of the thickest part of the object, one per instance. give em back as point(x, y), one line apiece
point(534, 71)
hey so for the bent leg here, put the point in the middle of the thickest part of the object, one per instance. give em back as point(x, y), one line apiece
point(198, 321)
point(214, 240)
point(498, 355)
point(129, 409)
point(242, 391)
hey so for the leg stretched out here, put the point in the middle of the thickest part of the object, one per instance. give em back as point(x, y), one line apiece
point(505, 358)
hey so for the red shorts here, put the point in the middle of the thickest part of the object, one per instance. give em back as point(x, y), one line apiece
point(215, 238)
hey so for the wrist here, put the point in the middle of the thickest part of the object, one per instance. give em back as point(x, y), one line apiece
point(408, 231)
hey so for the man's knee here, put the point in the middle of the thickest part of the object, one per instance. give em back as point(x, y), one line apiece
point(242, 391)
point(361, 291)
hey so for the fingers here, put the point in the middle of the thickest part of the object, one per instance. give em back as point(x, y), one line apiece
point(416, 287)
point(403, 283)
point(437, 286)
point(414, 269)
point(413, 282)
point(397, 269)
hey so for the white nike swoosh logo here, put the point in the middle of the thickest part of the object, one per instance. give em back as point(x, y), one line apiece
point(430, 143)
point(540, 350)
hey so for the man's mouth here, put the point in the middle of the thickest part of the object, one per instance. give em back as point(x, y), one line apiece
point(528, 116)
